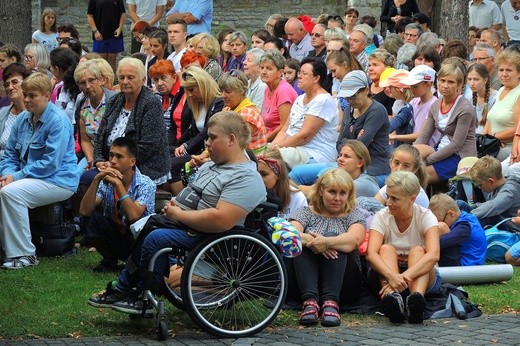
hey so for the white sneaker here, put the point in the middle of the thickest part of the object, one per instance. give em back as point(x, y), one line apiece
point(20, 262)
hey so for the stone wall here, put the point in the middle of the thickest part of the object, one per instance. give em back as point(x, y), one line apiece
point(246, 15)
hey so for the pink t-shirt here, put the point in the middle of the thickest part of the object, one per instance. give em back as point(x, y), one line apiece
point(283, 93)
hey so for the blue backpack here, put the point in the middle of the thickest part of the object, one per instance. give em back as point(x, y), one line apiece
point(499, 241)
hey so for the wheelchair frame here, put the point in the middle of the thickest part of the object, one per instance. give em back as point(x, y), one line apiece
point(233, 284)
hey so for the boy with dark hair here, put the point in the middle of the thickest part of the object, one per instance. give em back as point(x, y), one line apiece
point(126, 195)
point(462, 239)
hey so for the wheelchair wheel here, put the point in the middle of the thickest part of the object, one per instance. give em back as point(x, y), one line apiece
point(233, 285)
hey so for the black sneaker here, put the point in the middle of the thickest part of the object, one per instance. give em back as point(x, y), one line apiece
point(415, 306)
point(393, 307)
point(133, 305)
point(108, 297)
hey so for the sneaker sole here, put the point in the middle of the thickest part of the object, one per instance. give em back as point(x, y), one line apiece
point(99, 305)
point(392, 310)
point(416, 307)
point(132, 311)
point(22, 267)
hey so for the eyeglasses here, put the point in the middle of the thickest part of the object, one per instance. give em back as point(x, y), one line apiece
point(354, 96)
point(13, 82)
point(444, 218)
point(305, 74)
point(63, 40)
point(186, 75)
point(28, 57)
point(338, 18)
point(480, 59)
point(315, 34)
point(88, 81)
point(407, 34)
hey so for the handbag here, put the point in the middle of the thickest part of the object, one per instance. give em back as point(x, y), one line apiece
point(487, 145)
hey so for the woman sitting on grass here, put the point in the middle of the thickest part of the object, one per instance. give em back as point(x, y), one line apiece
point(330, 228)
point(403, 248)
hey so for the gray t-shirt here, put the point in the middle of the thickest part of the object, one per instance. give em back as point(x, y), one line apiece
point(238, 184)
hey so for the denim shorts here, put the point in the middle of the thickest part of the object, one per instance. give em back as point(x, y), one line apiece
point(112, 45)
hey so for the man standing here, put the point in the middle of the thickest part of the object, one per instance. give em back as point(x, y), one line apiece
point(150, 11)
point(484, 54)
point(177, 35)
point(358, 43)
point(412, 32)
point(126, 195)
point(106, 20)
point(511, 11)
point(492, 38)
point(301, 40)
point(485, 14)
point(197, 14)
point(318, 41)
point(223, 192)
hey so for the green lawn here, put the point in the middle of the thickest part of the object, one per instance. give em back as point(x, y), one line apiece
point(50, 300)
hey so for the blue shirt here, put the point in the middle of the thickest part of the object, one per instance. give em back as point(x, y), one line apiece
point(142, 190)
point(44, 152)
point(467, 237)
point(201, 9)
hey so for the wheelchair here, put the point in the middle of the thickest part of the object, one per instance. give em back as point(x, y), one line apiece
point(232, 284)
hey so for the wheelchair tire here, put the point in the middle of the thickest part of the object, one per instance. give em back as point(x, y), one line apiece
point(234, 284)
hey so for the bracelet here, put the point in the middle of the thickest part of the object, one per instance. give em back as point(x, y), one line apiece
point(122, 198)
point(94, 31)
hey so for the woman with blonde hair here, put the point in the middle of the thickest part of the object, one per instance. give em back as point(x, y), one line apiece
point(207, 45)
point(403, 249)
point(204, 100)
point(454, 117)
point(331, 227)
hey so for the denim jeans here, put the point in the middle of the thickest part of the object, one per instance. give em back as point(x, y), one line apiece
point(153, 242)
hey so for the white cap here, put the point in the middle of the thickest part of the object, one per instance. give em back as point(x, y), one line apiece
point(420, 73)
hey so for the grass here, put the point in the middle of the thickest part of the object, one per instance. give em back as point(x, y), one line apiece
point(49, 301)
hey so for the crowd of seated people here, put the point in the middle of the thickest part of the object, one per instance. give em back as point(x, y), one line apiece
point(346, 138)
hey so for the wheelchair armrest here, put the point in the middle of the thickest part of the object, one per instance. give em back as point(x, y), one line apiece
point(267, 206)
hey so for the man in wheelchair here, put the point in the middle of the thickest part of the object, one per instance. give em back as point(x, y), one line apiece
point(223, 192)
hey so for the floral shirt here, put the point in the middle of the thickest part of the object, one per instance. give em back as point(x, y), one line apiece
point(315, 223)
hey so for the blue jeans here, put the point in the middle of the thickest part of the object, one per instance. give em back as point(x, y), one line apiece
point(141, 255)
point(307, 174)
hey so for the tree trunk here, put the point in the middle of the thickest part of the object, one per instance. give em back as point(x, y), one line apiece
point(15, 22)
point(454, 20)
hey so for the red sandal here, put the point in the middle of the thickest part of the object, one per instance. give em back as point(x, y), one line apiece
point(310, 312)
point(330, 316)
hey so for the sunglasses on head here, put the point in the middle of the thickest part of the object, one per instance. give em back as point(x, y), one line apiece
point(186, 75)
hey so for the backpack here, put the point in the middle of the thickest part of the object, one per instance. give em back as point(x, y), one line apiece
point(499, 241)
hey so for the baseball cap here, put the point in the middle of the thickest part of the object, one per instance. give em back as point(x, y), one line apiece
point(418, 74)
point(465, 165)
point(394, 79)
point(352, 82)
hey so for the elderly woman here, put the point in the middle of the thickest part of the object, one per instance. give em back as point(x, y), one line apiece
point(168, 85)
point(330, 228)
point(279, 95)
point(504, 114)
point(403, 249)
point(90, 108)
point(311, 130)
point(12, 76)
point(238, 46)
point(38, 168)
point(207, 45)
point(203, 99)
point(367, 120)
point(233, 85)
point(378, 61)
point(454, 117)
point(36, 58)
point(135, 113)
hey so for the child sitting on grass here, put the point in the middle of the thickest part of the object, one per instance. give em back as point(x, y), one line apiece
point(502, 201)
point(462, 239)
